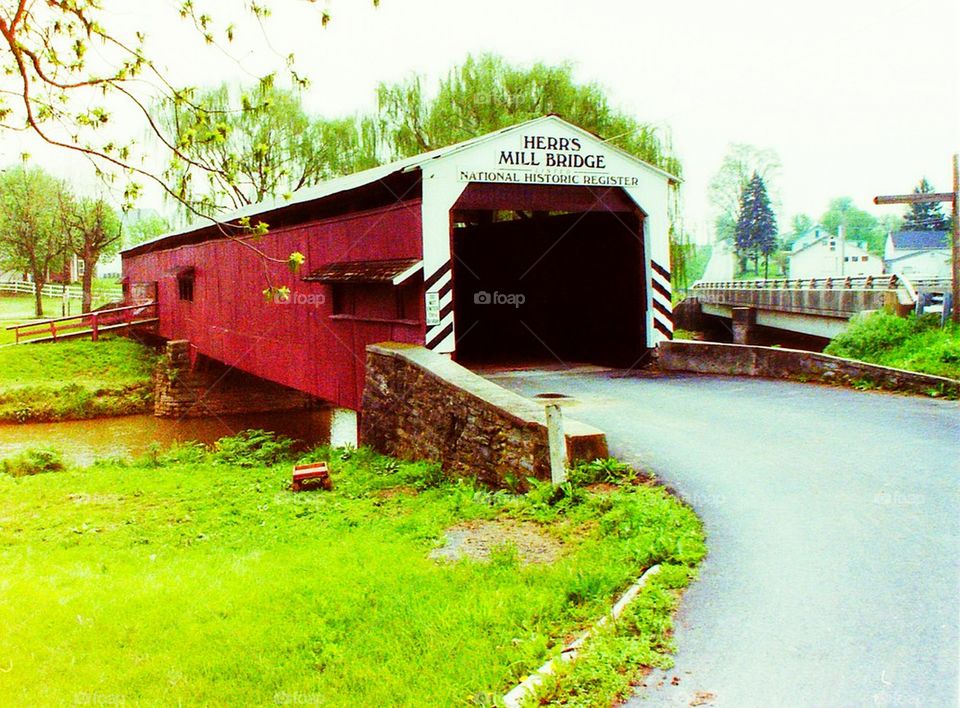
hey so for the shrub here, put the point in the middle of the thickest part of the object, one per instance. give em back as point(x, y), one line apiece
point(252, 448)
point(609, 470)
point(871, 336)
point(33, 461)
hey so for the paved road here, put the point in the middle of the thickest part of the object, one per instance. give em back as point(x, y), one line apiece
point(834, 533)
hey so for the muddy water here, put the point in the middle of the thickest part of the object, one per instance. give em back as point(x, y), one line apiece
point(83, 441)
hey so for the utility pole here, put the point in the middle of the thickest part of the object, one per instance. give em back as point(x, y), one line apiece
point(953, 197)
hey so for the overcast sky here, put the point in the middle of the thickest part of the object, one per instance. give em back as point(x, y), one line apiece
point(857, 97)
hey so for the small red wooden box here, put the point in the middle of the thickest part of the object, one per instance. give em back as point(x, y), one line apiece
point(314, 473)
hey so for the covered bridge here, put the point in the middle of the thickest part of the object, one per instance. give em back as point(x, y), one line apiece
point(537, 242)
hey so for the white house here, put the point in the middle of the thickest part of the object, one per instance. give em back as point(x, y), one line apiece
point(722, 264)
point(918, 253)
point(819, 254)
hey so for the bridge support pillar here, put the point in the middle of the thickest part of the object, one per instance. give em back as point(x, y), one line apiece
point(343, 427)
point(744, 325)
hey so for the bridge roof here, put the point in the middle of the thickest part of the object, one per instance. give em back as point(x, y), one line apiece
point(340, 185)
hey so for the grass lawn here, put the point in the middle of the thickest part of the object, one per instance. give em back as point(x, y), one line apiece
point(195, 577)
point(17, 309)
point(75, 379)
point(916, 344)
point(20, 307)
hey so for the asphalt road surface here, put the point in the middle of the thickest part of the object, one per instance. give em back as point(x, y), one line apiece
point(834, 532)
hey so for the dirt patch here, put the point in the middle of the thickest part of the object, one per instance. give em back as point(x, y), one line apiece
point(601, 488)
point(478, 539)
point(396, 492)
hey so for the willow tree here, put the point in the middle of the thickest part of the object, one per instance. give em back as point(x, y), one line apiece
point(486, 93)
point(247, 145)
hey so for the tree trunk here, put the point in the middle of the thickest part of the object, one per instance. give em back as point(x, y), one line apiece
point(38, 283)
point(89, 263)
point(766, 265)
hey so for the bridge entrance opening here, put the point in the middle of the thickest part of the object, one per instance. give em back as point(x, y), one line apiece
point(548, 276)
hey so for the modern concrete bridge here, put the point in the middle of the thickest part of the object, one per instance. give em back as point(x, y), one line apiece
point(821, 307)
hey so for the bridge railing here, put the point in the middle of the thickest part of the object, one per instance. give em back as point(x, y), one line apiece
point(90, 323)
point(861, 282)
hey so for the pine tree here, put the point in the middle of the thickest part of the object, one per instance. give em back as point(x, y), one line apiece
point(756, 232)
point(925, 217)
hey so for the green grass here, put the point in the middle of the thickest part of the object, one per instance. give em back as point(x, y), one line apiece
point(912, 343)
point(21, 307)
point(17, 309)
point(189, 579)
point(75, 379)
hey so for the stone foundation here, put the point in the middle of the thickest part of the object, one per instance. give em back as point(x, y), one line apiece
point(211, 388)
point(420, 405)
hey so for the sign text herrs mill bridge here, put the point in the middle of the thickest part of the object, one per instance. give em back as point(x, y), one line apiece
point(543, 159)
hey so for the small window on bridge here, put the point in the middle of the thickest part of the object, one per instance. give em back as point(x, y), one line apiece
point(185, 280)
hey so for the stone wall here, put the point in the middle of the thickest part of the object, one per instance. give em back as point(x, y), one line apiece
point(420, 405)
point(774, 362)
point(211, 388)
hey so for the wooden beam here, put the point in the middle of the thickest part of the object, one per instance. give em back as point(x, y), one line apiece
point(914, 198)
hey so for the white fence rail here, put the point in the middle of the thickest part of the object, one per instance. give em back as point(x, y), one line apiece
point(56, 290)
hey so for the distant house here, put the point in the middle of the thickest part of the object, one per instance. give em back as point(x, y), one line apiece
point(722, 264)
point(110, 267)
point(71, 271)
point(820, 254)
point(918, 253)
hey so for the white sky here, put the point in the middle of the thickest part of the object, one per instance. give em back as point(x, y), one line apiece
point(858, 97)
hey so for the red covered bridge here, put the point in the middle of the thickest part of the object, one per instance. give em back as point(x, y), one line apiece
point(537, 242)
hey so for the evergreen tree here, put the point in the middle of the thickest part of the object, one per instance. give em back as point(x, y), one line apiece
point(756, 231)
point(925, 217)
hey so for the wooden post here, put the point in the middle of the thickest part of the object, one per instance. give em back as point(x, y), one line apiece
point(557, 443)
point(956, 238)
point(95, 333)
point(953, 197)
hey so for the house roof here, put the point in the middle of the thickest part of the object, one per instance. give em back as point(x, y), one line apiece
point(357, 180)
point(919, 240)
point(808, 238)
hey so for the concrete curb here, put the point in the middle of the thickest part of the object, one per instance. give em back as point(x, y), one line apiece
point(516, 696)
point(790, 364)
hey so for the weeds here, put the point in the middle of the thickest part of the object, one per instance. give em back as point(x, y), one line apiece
point(252, 448)
point(33, 461)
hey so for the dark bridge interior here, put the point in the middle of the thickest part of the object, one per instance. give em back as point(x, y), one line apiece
point(548, 287)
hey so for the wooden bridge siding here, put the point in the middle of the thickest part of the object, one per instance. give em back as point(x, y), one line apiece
point(296, 345)
point(830, 303)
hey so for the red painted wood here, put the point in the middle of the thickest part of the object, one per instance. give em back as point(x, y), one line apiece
point(296, 343)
